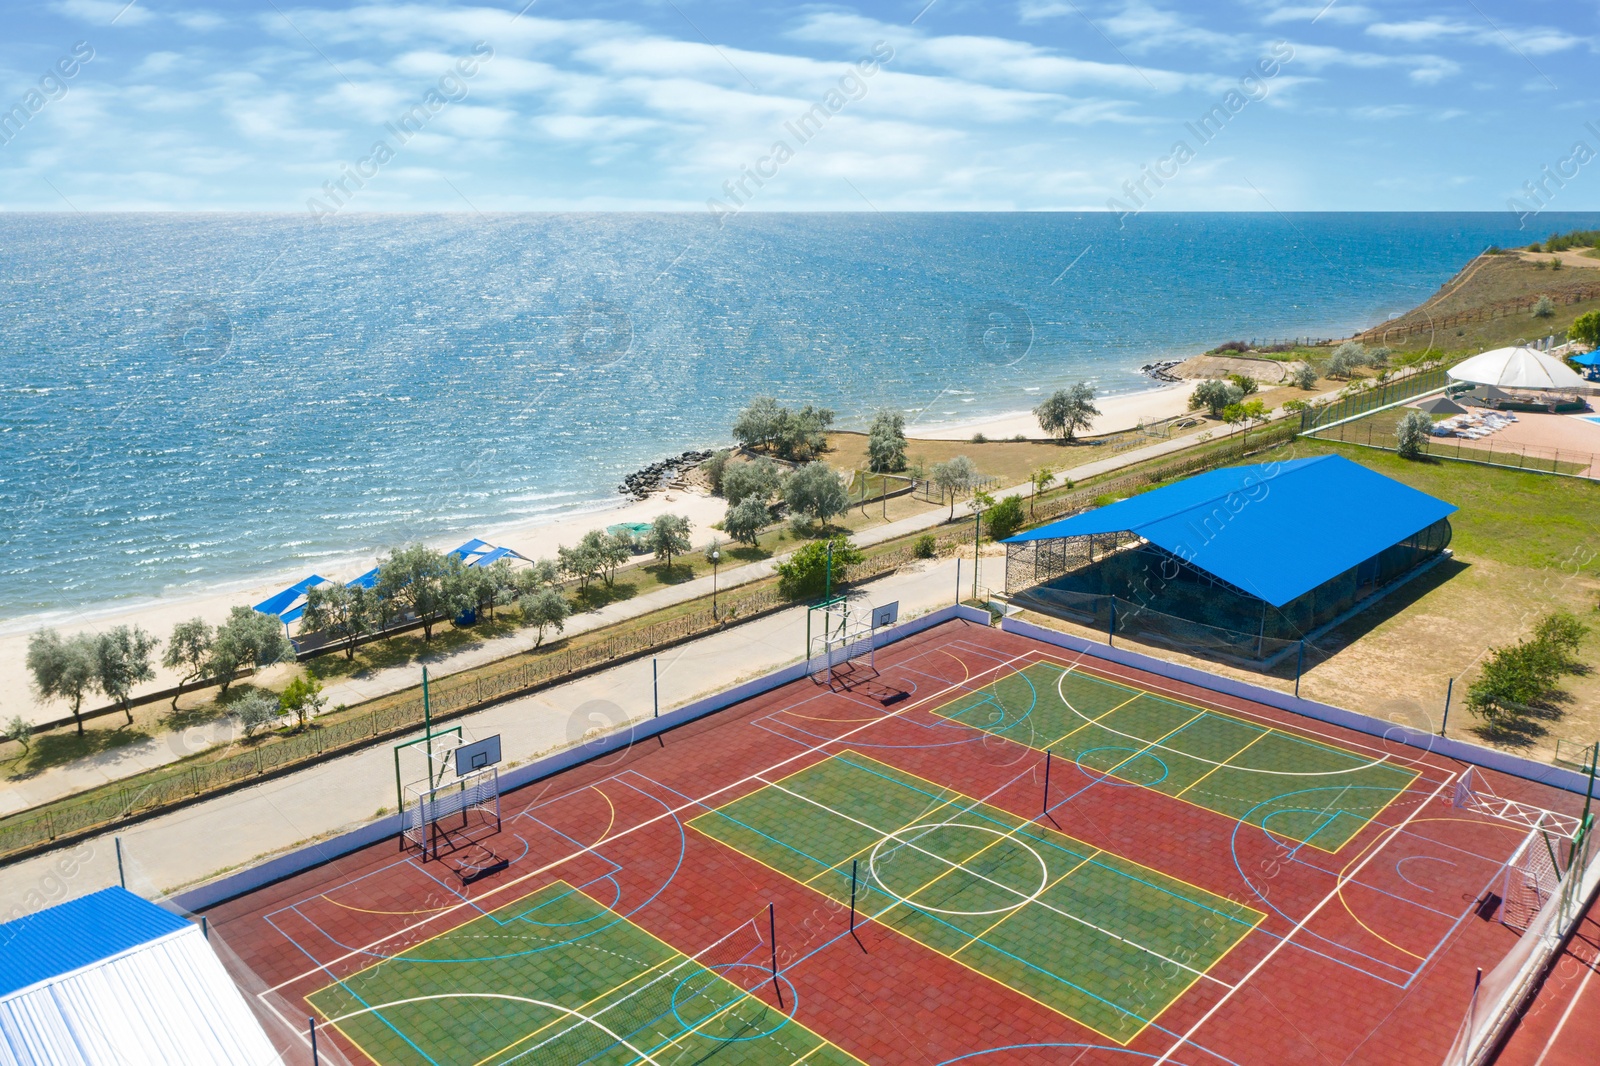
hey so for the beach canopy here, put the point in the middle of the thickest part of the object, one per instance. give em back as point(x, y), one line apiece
point(477, 552)
point(1441, 405)
point(290, 604)
point(365, 581)
point(1588, 359)
point(1519, 367)
point(1275, 530)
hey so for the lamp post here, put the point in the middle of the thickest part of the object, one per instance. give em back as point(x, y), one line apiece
point(716, 557)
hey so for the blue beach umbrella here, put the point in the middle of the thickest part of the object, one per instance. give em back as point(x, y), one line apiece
point(1591, 359)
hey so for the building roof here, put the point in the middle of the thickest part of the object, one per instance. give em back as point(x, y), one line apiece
point(1275, 530)
point(289, 604)
point(1519, 367)
point(79, 933)
point(1440, 405)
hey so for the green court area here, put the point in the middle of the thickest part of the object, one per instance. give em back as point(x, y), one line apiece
point(1102, 940)
point(555, 977)
point(1293, 787)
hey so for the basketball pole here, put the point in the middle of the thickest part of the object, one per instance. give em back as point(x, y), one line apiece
point(427, 724)
point(655, 695)
point(772, 934)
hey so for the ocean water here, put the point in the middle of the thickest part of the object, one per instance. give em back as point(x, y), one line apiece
point(190, 400)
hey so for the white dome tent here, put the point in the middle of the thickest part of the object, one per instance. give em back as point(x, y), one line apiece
point(1519, 367)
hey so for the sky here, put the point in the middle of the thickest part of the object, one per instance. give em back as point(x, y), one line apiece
point(732, 105)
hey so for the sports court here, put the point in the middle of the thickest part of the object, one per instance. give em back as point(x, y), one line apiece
point(972, 848)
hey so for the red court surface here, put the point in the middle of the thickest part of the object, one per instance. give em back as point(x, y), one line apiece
point(1363, 954)
point(1561, 1027)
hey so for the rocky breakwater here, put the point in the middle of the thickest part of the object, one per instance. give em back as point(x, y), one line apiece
point(659, 475)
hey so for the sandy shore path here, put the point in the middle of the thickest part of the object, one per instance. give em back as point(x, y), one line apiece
point(1116, 413)
point(533, 539)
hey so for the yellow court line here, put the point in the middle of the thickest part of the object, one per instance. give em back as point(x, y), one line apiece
point(366, 910)
point(1148, 744)
point(613, 819)
point(839, 866)
point(1259, 736)
point(979, 936)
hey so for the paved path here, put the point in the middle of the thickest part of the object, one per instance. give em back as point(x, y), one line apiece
point(95, 770)
point(193, 844)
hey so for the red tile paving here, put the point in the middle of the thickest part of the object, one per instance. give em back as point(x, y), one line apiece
point(1561, 1027)
point(1366, 955)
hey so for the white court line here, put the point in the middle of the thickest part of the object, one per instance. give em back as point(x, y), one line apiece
point(671, 812)
point(1344, 879)
point(1014, 891)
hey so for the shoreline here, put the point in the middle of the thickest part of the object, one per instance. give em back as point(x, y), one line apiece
point(1118, 412)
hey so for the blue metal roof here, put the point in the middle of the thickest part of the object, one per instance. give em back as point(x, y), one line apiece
point(365, 581)
point(280, 603)
point(79, 933)
point(1275, 530)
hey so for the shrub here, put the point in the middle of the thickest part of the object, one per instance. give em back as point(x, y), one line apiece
point(979, 438)
point(886, 443)
point(303, 699)
point(1586, 328)
point(1303, 377)
point(1346, 359)
point(926, 547)
point(19, 730)
point(715, 466)
point(805, 573)
point(1543, 308)
point(1004, 518)
point(1247, 384)
point(255, 710)
point(1412, 432)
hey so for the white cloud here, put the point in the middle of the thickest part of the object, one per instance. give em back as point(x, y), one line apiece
point(1538, 40)
point(102, 12)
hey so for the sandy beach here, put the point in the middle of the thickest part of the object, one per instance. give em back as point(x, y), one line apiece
point(1116, 413)
point(158, 616)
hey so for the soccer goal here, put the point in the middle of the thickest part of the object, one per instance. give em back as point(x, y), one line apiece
point(843, 647)
point(453, 815)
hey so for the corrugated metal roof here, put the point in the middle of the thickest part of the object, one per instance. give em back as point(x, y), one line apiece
point(78, 933)
point(1276, 530)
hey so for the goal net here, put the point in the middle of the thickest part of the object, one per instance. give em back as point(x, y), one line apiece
point(1530, 879)
point(453, 814)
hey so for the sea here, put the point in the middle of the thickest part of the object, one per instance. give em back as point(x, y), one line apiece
point(193, 400)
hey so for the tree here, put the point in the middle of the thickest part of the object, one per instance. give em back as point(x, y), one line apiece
point(188, 652)
point(541, 573)
point(1245, 415)
point(1247, 384)
point(247, 638)
point(1585, 329)
point(499, 581)
point(802, 435)
point(1068, 410)
point(886, 443)
point(714, 467)
point(1004, 518)
point(343, 613)
point(815, 492)
point(757, 425)
point(607, 552)
point(256, 709)
point(1303, 377)
point(544, 608)
point(580, 561)
point(669, 536)
point(1346, 359)
point(424, 582)
point(1041, 479)
point(1543, 308)
point(1562, 632)
point(19, 729)
point(1411, 433)
point(1214, 395)
point(742, 481)
point(806, 572)
point(302, 698)
point(63, 669)
point(1379, 356)
point(955, 477)
point(121, 661)
point(1511, 679)
point(746, 520)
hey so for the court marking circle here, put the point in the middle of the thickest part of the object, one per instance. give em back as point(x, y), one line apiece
point(1107, 776)
point(872, 866)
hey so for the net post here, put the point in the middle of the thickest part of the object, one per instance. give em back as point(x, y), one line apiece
point(316, 1060)
point(852, 896)
point(1047, 759)
point(772, 934)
